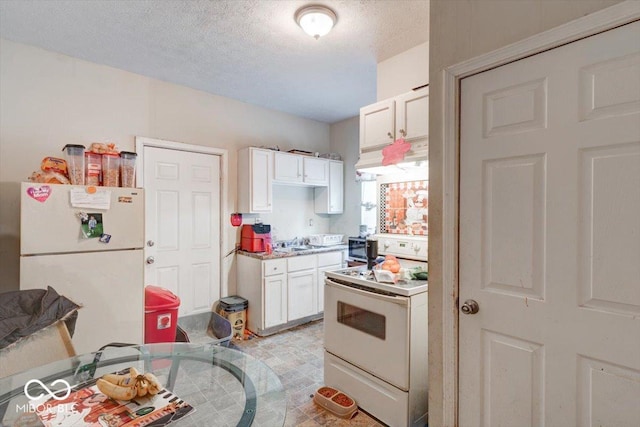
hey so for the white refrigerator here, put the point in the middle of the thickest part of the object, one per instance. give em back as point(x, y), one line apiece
point(88, 246)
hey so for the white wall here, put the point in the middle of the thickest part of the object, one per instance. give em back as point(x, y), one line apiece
point(293, 208)
point(345, 139)
point(461, 30)
point(403, 72)
point(48, 100)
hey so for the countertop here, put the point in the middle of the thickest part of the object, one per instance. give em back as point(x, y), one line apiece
point(311, 251)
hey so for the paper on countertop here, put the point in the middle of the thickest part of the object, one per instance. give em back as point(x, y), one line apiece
point(80, 198)
point(384, 276)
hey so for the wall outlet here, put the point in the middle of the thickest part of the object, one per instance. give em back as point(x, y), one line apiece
point(310, 222)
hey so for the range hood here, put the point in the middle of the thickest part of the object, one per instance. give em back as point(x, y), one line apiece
point(415, 159)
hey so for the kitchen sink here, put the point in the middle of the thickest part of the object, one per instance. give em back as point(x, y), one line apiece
point(293, 249)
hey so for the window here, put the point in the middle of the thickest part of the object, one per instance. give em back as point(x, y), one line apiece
point(369, 206)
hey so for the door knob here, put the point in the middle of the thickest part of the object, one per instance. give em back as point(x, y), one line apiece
point(151, 260)
point(470, 307)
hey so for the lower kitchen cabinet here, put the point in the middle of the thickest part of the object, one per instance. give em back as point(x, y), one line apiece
point(303, 286)
point(284, 292)
point(302, 294)
point(264, 284)
point(275, 300)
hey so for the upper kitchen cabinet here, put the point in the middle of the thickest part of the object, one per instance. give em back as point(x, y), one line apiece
point(301, 170)
point(255, 175)
point(405, 116)
point(316, 171)
point(330, 199)
point(287, 167)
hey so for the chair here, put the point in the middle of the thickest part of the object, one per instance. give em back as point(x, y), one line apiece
point(45, 346)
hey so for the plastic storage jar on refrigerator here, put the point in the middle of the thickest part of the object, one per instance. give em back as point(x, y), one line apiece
point(160, 314)
point(111, 170)
point(74, 155)
point(127, 168)
point(93, 168)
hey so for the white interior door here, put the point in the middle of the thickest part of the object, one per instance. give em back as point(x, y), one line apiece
point(183, 225)
point(550, 238)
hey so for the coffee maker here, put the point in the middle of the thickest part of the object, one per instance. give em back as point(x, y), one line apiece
point(372, 252)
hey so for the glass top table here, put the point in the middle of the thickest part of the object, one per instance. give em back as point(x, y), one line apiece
point(226, 387)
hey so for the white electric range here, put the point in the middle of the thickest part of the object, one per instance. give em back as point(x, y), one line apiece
point(364, 279)
point(376, 337)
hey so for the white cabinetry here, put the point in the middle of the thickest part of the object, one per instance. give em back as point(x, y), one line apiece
point(284, 292)
point(301, 170)
point(302, 286)
point(406, 115)
point(275, 300)
point(255, 174)
point(377, 122)
point(316, 171)
point(412, 115)
point(326, 262)
point(259, 169)
point(287, 167)
point(264, 285)
point(330, 199)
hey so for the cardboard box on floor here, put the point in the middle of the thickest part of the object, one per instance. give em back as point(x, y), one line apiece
point(45, 346)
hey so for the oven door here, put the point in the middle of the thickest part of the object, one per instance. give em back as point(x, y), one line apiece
point(368, 330)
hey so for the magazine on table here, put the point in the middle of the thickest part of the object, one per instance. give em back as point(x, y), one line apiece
point(87, 406)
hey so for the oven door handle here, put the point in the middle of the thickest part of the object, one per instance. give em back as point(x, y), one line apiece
point(400, 300)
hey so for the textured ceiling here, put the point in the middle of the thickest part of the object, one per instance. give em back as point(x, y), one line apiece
point(252, 51)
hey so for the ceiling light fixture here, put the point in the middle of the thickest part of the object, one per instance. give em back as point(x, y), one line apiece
point(316, 21)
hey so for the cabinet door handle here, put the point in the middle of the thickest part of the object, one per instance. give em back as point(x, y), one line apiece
point(390, 135)
point(403, 132)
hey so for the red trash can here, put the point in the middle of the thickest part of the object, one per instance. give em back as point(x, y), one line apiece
point(160, 314)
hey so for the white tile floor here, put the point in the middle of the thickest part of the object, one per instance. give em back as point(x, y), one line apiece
point(296, 356)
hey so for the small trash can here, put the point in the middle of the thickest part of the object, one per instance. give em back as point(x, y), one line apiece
point(160, 314)
point(234, 309)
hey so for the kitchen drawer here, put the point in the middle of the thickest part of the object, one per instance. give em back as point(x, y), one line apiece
point(329, 258)
point(382, 400)
point(274, 266)
point(301, 262)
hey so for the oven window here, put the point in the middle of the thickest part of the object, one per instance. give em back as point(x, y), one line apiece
point(363, 320)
